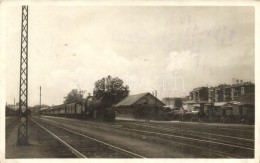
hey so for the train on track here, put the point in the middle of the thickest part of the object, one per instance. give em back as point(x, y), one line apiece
point(101, 109)
point(90, 109)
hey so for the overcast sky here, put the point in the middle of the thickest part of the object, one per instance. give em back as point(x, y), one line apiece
point(168, 49)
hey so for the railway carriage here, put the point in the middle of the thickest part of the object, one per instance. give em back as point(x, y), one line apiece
point(62, 109)
point(70, 109)
point(56, 110)
point(91, 109)
point(75, 110)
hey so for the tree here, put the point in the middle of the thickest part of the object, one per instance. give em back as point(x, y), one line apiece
point(73, 96)
point(111, 87)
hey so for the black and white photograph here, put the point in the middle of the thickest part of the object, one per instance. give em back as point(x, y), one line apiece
point(128, 81)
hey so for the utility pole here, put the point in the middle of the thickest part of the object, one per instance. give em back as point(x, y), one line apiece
point(156, 108)
point(40, 96)
point(23, 91)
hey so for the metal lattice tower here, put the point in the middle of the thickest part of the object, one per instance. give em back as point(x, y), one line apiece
point(23, 92)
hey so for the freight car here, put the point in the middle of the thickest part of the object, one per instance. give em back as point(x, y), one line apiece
point(223, 112)
point(217, 113)
point(230, 112)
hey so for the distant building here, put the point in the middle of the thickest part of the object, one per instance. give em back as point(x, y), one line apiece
point(199, 95)
point(139, 106)
point(211, 94)
point(242, 88)
point(226, 93)
point(222, 93)
point(219, 94)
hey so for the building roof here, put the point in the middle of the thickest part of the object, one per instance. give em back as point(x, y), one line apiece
point(242, 84)
point(236, 103)
point(199, 88)
point(220, 103)
point(228, 86)
point(189, 102)
point(131, 100)
point(171, 98)
point(248, 98)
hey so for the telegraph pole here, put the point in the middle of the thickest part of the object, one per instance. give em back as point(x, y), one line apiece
point(23, 91)
point(40, 96)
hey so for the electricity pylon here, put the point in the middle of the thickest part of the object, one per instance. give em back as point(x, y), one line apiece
point(23, 91)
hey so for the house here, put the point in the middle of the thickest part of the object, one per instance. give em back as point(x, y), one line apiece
point(139, 106)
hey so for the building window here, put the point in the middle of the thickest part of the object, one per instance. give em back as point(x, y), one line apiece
point(242, 90)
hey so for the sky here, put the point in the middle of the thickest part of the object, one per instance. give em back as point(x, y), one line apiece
point(170, 49)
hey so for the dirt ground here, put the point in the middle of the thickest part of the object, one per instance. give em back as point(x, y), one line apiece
point(41, 144)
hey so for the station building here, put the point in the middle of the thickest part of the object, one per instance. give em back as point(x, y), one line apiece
point(139, 106)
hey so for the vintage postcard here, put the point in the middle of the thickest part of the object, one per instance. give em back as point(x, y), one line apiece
point(129, 81)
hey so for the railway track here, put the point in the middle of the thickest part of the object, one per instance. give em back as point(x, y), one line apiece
point(84, 146)
point(211, 146)
point(216, 148)
point(187, 132)
point(233, 140)
point(41, 144)
point(190, 131)
point(10, 120)
point(204, 126)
